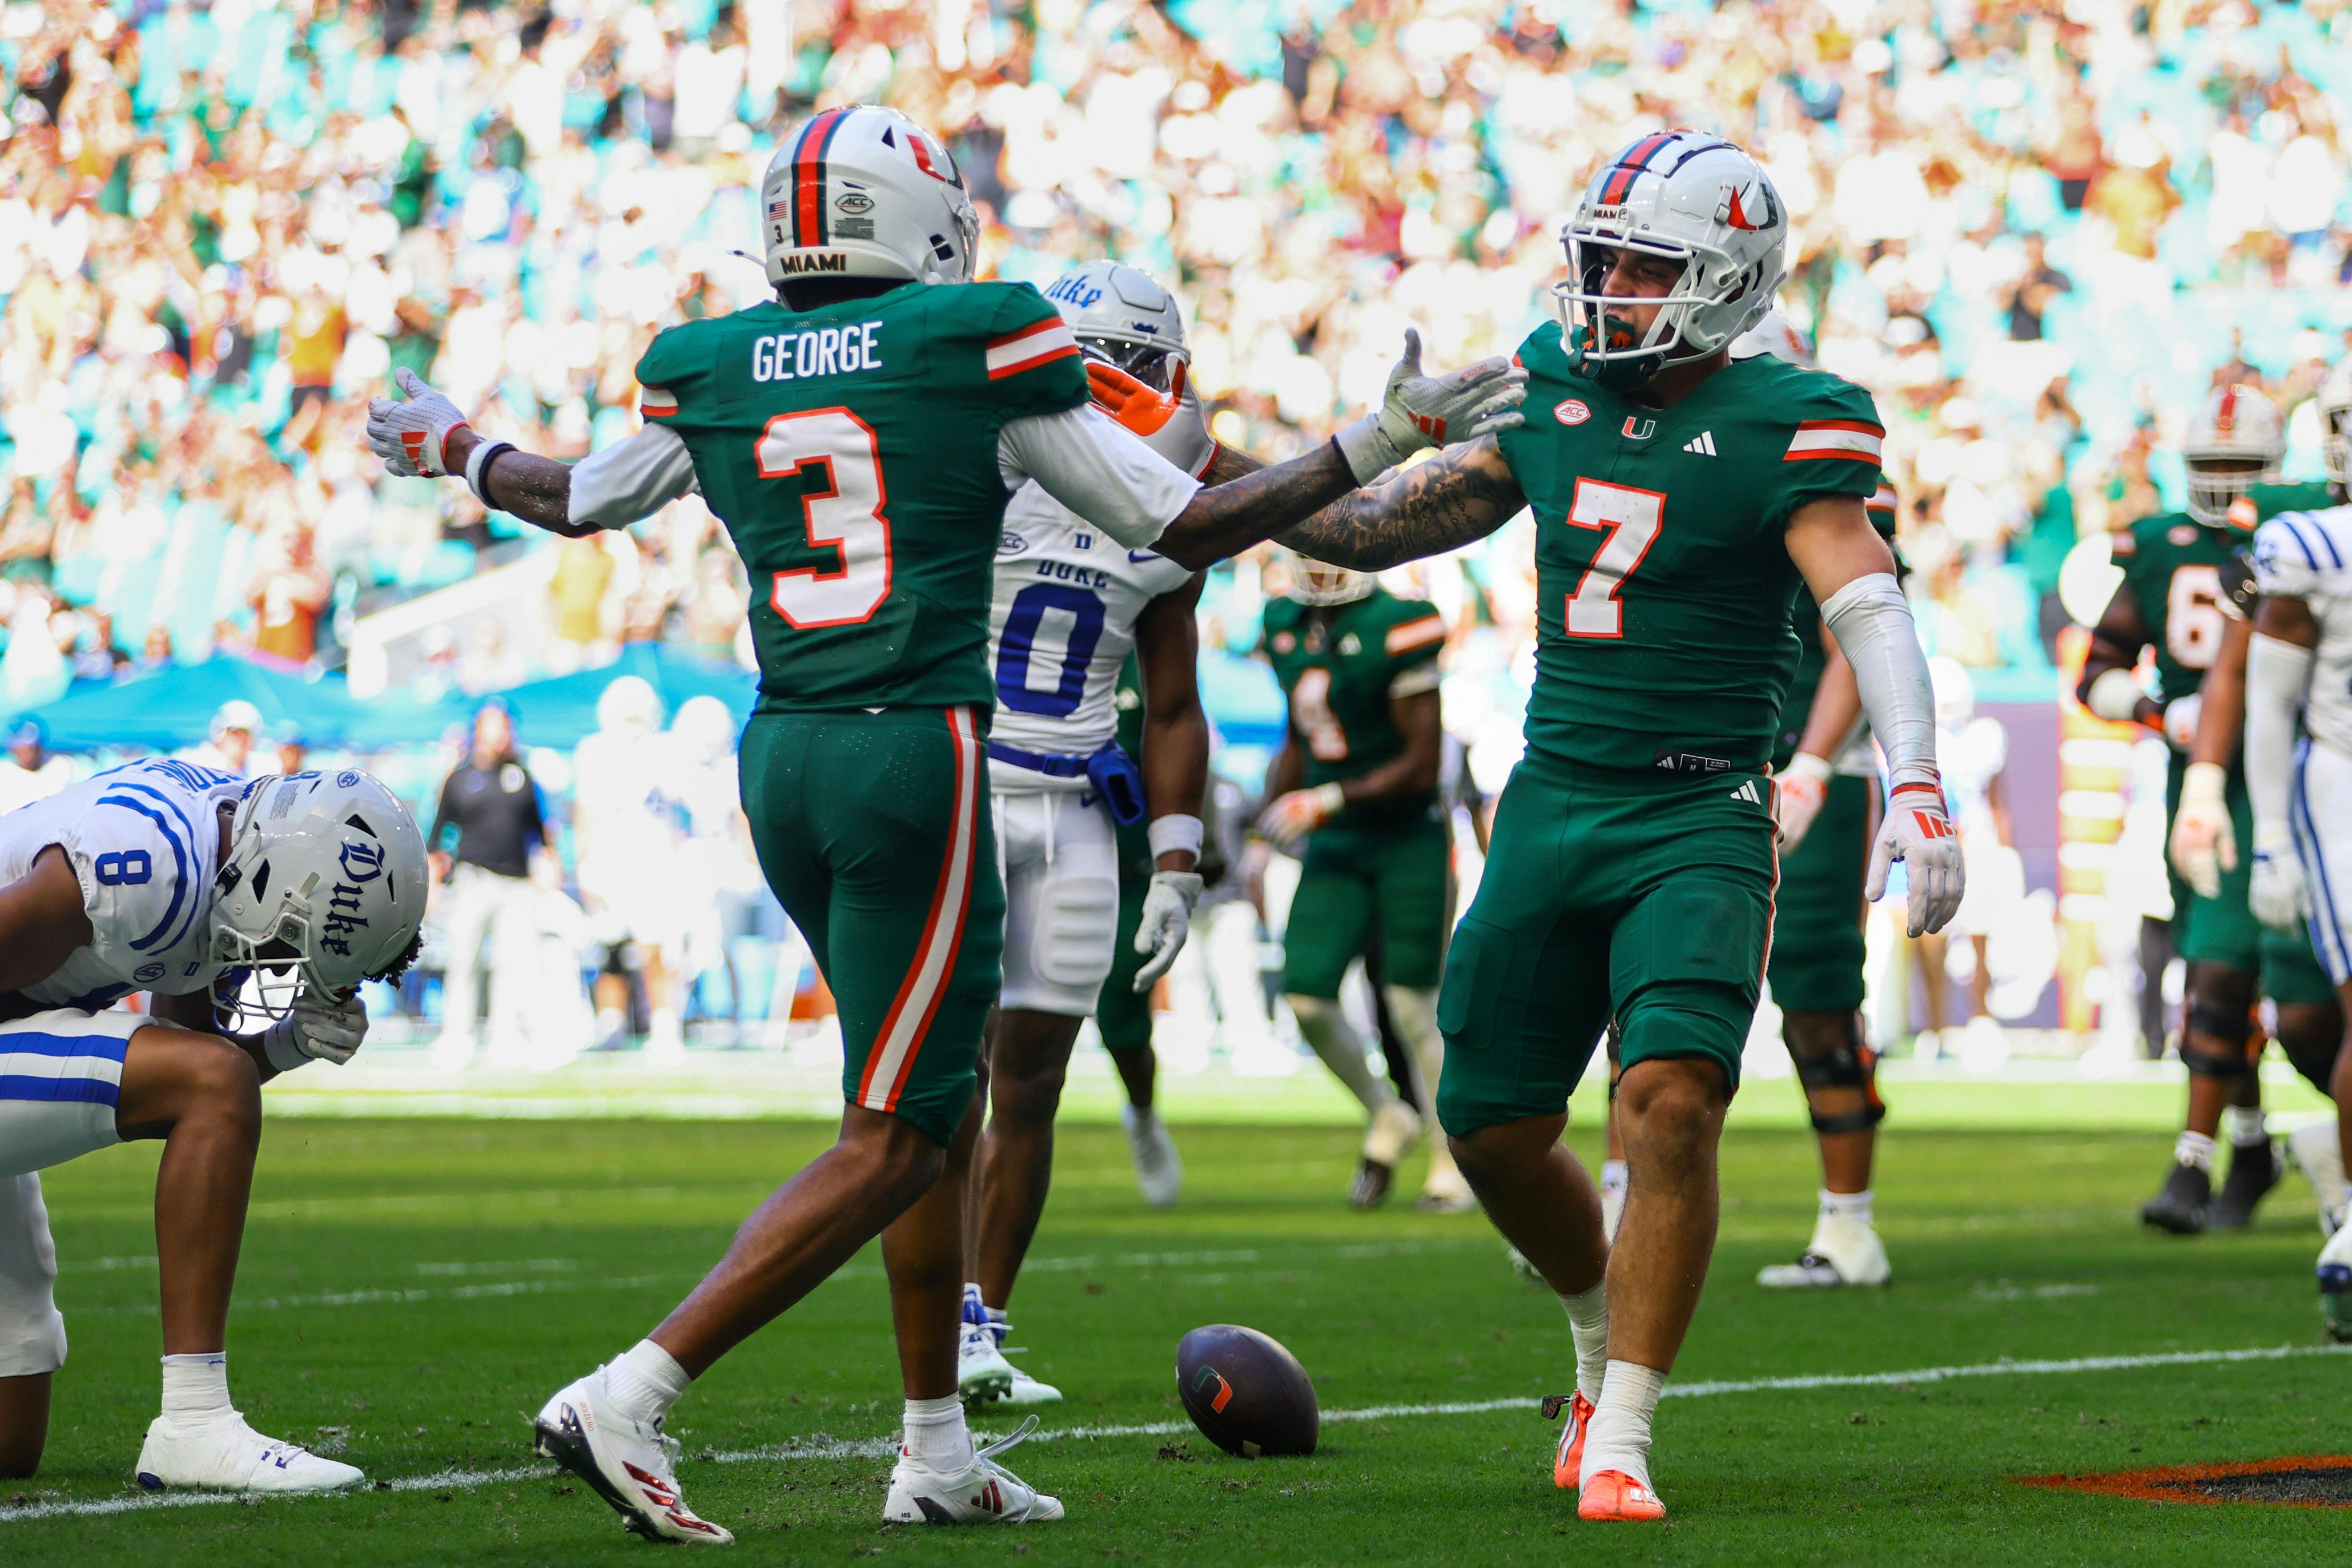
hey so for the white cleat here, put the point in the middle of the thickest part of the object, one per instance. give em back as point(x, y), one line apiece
point(987, 1493)
point(1447, 1191)
point(226, 1454)
point(2318, 1153)
point(1395, 1127)
point(2335, 1284)
point(982, 1372)
point(1026, 1391)
point(1157, 1169)
point(1842, 1252)
point(631, 1467)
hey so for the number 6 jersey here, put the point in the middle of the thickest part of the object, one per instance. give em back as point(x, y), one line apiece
point(851, 451)
point(1665, 585)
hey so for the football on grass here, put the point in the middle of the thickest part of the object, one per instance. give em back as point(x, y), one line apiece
point(1245, 1393)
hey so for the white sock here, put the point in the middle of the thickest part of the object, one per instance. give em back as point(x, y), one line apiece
point(1612, 1175)
point(195, 1387)
point(1334, 1039)
point(1855, 1206)
point(1619, 1437)
point(1588, 1326)
point(645, 1380)
point(937, 1436)
point(2194, 1148)
point(2244, 1124)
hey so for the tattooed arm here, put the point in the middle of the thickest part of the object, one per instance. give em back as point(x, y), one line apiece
point(1229, 464)
point(521, 484)
point(1463, 493)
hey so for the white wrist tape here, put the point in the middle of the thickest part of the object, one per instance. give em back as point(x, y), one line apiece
point(283, 1046)
point(1174, 832)
point(2115, 696)
point(1872, 622)
point(1805, 766)
point(477, 463)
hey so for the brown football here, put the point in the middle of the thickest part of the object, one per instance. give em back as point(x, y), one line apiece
point(1246, 1394)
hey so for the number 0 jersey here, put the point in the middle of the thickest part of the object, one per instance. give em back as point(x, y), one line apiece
point(852, 452)
point(144, 842)
point(1664, 580)
point(1062, 623)
point(2307, 556)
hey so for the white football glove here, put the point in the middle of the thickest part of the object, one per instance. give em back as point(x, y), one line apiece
point(412, 438)
point(1423, 411)
point(2276, 893)
point(1797, 798)
point(317, 1028)
point(1298, 813)
point(1167, 920)
point(1918, 833)
point(2181, 716)
point(2204, 844)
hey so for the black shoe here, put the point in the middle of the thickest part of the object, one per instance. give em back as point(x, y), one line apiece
point(1369, 1190)
point(2180, 1206)
point(2253, 1171)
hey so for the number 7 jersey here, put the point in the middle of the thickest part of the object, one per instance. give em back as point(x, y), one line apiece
point(1664, 580)
point(852, 453)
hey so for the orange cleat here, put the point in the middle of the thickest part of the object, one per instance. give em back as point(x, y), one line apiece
point(1567, 1470)
point(1613, 1494)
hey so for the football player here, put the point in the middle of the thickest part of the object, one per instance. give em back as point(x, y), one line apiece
point(1070, 603)
point(2206, 831)
point(2300, 662)
point(860, 436)
point(1680, 499)
point(1353, 793)
point(219, 898)
point(2170, 602)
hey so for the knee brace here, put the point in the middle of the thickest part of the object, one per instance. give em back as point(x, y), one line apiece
point(1849, 1065)
point(2216, 1021)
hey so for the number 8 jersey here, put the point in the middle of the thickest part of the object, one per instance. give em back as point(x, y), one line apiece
point(853, 453)
point(1665, 585)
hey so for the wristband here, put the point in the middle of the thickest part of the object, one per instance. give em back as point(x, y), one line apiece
point(1331, 798)
point(1176, 833)
point(283, 1046)
point(2114, 696)
point(477, 463)
point(2205, 784)
point(1805, 766)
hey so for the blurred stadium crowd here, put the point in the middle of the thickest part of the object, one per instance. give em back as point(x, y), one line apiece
point(2036, 231)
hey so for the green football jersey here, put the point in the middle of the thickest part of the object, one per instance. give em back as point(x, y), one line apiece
point(1663, 584)
point(1812, 658)
point(1339, 666)
point(851, 452)
point(2172, 570)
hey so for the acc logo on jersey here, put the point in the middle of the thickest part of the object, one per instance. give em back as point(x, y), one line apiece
point(1574, 411)
point(1010, 543)
point(2183, 534)
point(1349, 646)
point(1284, 642)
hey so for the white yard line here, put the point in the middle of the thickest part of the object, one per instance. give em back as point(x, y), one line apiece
point(821, 1449)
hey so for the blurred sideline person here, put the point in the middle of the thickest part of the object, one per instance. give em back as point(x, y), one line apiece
point(174, 880)
point(1353, 793)
point(1973, 750)
point(229, 747)
point(1069, 603)
point(30, 773)
point(2169, 603)
point(714, 858)
point(491, 804)
point(624, 832)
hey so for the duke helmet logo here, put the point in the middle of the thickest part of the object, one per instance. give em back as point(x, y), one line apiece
point(1574, 411)
point(347, 781)
point(362, 862)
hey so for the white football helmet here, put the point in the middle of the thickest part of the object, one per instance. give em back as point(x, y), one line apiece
point(1691, 197)
point(322, 887)
point(1312, 582)
point(1773, 335)
point(704, 730)
point(1123, 317)
point(864, 192)
point(2333, 402)
point(629, 703)
point(2237, 425)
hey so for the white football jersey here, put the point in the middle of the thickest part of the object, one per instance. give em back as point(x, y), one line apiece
point(144, 839)
point(2307, 556)
point(1062, 623)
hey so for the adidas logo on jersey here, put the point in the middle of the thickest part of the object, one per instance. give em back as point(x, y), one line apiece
point(1746, 790)
point(1702, 444)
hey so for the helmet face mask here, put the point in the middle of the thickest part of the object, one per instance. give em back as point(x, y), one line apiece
point(2333, 403)
point(2236, 441)
point(1153, 364)
point(1680, 197)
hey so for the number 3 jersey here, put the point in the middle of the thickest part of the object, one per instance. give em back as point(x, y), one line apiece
point(1062, 624)
point(1665, 585)
point(143, 841)
point(2307, 556)
point(852, 452)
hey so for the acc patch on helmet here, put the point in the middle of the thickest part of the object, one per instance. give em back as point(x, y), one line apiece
point(1574, 411)
point(853, 202)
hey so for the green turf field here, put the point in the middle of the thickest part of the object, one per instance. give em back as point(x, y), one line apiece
point(413, 1289)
